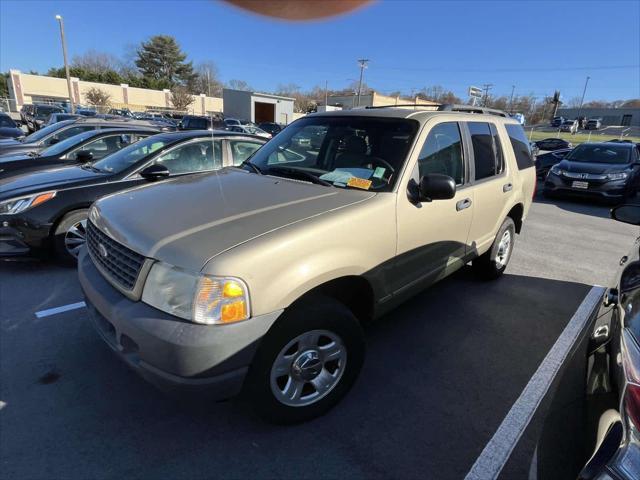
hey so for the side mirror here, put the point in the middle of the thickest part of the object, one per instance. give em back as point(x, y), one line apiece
point(433, 186)
point(84, 156)
point(626, 214)
point(155, 172)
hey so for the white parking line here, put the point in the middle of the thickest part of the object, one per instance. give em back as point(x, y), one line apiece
point(496, 453)
point(63, 308)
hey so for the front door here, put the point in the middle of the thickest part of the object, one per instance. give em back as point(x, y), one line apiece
point(432, 236)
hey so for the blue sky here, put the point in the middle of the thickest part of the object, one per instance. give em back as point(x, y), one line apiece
point(536, 46)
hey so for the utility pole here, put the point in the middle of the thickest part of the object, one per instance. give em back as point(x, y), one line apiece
point(513, 89)
point(363, 64)
point(582, 99)
point(208, 82)
point(326, 93)
point(66, 65)
point(486, 87)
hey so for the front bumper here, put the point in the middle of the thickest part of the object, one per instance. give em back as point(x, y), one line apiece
point(614, 190)
point(169, 352)
point(19, 235)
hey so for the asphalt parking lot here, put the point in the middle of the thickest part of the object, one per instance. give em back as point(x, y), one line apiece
point(442, 371)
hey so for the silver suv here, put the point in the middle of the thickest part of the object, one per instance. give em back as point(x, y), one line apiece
point(259, 277)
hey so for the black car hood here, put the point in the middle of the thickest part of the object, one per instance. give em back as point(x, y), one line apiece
point(11, 132)
point(54, 178)
point(588, 167)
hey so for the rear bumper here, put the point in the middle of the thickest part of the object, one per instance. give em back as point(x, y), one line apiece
point(169, 352)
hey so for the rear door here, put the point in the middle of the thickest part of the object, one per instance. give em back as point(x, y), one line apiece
point(492, 183)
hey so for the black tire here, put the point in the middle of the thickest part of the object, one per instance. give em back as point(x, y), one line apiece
point(62, 230)
point(487, 265)
point(312, 314)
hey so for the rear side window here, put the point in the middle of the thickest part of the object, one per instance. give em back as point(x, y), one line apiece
point(520, 146)
point(487, 156)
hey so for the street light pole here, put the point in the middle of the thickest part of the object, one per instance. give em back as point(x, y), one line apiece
point(582, 99)
point(66, 64)
point(363, 64)
point(513, 89)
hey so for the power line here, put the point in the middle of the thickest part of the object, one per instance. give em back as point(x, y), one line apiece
point(486, 87)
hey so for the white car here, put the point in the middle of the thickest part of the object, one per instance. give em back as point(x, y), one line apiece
point(250, 130)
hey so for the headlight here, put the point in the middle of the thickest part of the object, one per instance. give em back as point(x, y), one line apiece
point(557, 170)
point(200, 298)
point(617, 176)
point(20, 204)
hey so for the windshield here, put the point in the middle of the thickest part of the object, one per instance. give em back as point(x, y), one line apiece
point(359, 152)
point(61, 147)
point(129, 156)
point(616, 154)
point(47, 110)
point(6, 122)
point(254, 130)
point(45, 132)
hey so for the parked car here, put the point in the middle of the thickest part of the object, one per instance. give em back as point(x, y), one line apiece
point(82, 148)
point(570, 126)
point(557, 121)
point(36, 116)
point(193, 122)
point(545, 161)
point(594, 124)
point(261, 276)
point(248, 129)
point(607, 171)
point(86, 112)
point(68, 128)
point(551, 144)
point(271, 127)
point(59, 117)
point(614, 369)
point(48, 208)
point(8, 128)
point(121, 112)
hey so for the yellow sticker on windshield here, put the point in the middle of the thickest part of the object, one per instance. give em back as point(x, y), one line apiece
point(359, 183)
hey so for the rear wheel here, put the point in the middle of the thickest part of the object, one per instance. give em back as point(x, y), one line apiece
point(70, 236)
point(493, 263)
point(307, 362)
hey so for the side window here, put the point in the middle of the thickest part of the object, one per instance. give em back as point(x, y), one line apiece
point(193, 157)
point(442, 152)
point(104, 146)
point(497, 149)
point(66, 133)
point(485, 161)
point(520, 146)
point(242, 149)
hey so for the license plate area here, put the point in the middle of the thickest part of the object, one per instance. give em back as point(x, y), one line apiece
point(582, 185)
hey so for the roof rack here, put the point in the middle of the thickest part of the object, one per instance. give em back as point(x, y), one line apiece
point(403, 105)
point(450, 107)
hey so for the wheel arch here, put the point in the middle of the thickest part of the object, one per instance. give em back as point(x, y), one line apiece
point(516, 214)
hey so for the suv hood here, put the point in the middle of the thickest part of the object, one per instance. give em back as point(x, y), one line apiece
point(188, 220)
point(596, 168)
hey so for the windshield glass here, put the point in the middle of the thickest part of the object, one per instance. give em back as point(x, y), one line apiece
point(6, 122)
point(616, 154)
point(61, 147)
point(43, 111)
point(129, 156)
point(45, 132)
point(360, 152)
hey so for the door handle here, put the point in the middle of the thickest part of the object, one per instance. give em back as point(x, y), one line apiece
point(462, 204)
point(507, 187)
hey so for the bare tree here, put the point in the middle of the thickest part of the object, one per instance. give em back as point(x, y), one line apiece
point(98, 98)
point(206, 80)
point(96, 62)
point(236, 84)
point(181, 98)
point(574, 102)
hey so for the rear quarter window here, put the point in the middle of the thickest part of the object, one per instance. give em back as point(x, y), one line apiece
point(520, 146)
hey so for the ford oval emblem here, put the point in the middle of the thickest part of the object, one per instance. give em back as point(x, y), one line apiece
point(103, 250)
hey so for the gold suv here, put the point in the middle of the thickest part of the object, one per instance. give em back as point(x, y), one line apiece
point(258, 277)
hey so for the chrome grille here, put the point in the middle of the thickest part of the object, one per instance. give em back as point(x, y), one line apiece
point(120, 263)
point(585, 176)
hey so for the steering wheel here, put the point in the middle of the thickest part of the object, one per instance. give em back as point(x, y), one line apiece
point(389, 170)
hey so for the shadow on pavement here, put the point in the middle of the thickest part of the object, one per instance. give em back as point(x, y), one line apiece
point(578, 205)
point(442, 371)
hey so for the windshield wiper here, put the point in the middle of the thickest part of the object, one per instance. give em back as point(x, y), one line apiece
point(292, 172)
point(252, 166)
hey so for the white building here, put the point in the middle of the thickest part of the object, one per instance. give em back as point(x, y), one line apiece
point(257, 107)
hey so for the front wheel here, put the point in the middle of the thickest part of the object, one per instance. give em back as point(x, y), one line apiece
point(70, 236)
point(307, 362)
point(493, 263)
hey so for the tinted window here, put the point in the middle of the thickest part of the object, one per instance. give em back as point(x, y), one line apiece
point(68, 133)
point(132, 154)
point(6, 122)
point(520, 146)
point(242, 149)
point(104, 146)
point(497, 149)
point(442, 152)
point(197, 123)
point(193, 157)
point(485, 161)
